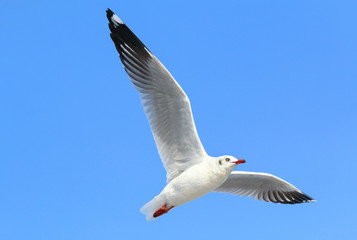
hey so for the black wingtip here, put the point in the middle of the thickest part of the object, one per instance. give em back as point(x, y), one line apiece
point(308, 198)
point(110, 14)
point(298, 197)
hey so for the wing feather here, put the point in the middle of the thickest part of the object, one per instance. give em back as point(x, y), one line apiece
point(165, 104)
point(262, 186)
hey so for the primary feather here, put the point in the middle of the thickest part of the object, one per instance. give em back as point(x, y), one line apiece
point(165, 104)
point(262, 186)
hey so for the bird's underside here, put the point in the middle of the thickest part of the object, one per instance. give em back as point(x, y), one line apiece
point(169, 114)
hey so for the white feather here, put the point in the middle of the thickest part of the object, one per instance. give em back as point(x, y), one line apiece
point(262, 186)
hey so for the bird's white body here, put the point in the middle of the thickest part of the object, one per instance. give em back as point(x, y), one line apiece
point(191, 172)
point(194, 183)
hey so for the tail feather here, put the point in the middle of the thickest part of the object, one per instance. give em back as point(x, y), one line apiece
point(151, 207)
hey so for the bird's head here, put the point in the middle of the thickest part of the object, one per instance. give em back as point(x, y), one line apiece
point(228, 162)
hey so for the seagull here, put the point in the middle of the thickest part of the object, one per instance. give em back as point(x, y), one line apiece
point(191, 172)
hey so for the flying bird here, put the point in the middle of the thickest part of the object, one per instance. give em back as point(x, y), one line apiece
point(191, 172)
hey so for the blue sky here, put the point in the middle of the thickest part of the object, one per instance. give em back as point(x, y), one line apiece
point(271, 82)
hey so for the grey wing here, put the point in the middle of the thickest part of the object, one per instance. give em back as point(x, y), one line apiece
point(165, 104)
point(262, 186)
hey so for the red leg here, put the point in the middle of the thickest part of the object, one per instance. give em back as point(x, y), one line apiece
point(161, 211)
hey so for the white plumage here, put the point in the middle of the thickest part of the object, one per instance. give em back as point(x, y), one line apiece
point(191, 173)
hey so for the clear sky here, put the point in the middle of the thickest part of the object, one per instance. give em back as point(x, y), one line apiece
point(273, 82)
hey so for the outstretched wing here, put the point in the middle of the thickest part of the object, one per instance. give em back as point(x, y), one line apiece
point(262, 186)
point(165, 103)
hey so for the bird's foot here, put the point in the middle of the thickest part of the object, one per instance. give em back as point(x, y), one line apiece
point(161, 211)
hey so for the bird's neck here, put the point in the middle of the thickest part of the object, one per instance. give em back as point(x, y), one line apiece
point(218, 170)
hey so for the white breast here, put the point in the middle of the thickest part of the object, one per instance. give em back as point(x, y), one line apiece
point(192, 184)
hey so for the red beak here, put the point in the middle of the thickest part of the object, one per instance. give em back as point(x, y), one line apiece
point(239, 161)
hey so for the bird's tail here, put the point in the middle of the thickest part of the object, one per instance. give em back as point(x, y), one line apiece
point(151, 207)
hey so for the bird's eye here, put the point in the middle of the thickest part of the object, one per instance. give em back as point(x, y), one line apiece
point(227, 159)
point(220, 162)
